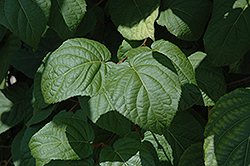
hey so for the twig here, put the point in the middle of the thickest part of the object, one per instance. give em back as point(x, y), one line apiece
point(238, 82)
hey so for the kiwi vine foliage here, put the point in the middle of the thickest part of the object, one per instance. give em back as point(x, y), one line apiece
point(125, 82)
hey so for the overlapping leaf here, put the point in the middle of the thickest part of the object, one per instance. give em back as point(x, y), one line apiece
point(161, 145)
point(183, 131)
point(228, 124)
point(66, 16)
point(190, 91)
point(67, 137)
point(210, 79)
point(209, 154)
point(9, 47)
point(27, 19)
point(77, 67)
point(144, 91)
point(85, 162)
point(15, 106)
point(186, 19)
point(227, 37)
point(134, 18)
point(192, 156)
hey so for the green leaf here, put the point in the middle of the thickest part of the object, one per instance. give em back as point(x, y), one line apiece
point(114, 122)
point(241, 66)
point(3, 31)
point(27, 158)
point(229, 125)
point(134, 19)
point(192, 156)
point(125, 47)
point(14, 106)
point(98, 105)
point(77, 67)
point(190, 91)
point(183, 131)
point(27, 61)
point(27, 19)
point(161, 145)
point(66, 16)
point(15, 148)
point(9, 47)
point(186, 19)
point(66, 137)
point(144, 91)
point(85, 162)
point(39, 102)
point(209, 154)
point(122, 150)
point(40, 114)
point(210, 79)
point(87, 24)
point(227, 37)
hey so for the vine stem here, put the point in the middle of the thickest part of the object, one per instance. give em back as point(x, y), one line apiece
point(74, 106)
point(239, 82)
point(8, 161)
point(136, 129)
point(99, 3)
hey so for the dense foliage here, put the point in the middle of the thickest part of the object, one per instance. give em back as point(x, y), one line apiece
point(125, 82)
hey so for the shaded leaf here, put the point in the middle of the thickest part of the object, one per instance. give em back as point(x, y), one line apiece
point(85, 162)
point(192, 156)
point(77, 67)
point(186, 19)
point(66, 16)
point(229, 125)
point(66, 137)
point(227, 37)
point(27, 19)
point(3, 31)
point(138, 17)
point(15, 149)
point(161, 145)
point(7, 49)
point(144, 91)
point(210, 79)
point(183, 131)
point(15, 106)
point(114, 122)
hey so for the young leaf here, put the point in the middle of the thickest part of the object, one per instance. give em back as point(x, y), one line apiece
point(229, 123)
point(227, 37)
point(192, 156)
point(77, 67)
point(134, 19)
point(27, 19)
point(186, 19)
point(66, 16)
point(66, 137)
point(144, 91)
point(190, 91)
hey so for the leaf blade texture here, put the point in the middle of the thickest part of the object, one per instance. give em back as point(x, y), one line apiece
point(229, 126)
point(27, 19)
point(227, 37)
point(138, 17)
point(77, 67)
point(144, 91)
